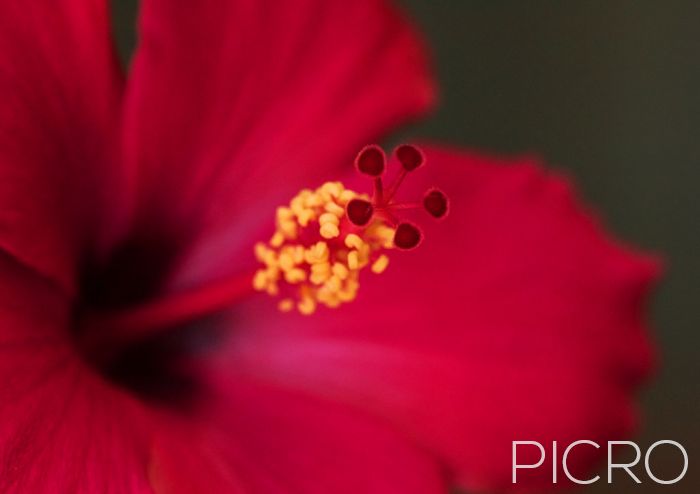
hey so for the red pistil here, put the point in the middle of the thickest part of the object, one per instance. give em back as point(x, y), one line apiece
point(371, 161)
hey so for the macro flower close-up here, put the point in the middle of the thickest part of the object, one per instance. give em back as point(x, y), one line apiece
point(214, 280)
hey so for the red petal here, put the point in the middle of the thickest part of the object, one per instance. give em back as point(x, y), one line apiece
point(517, 319)
point(61, 428)
point(233, 105)
point(183, 460)
point(60, 87)
point(280, 442)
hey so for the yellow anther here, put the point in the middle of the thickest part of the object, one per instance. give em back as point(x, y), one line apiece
point(331, 190)
point(363, 255)
point(333, 284)
point(340, 270)
point(284, 213)
point(353, 241)
point(270, 258)
point(305, 217)
point(286, 261)
point(298, 254)
point(328, 218)
point(260, 251)
point(353, 260)
point(295, 276)
point(277, 240)
point(334, 208)
point(288, 229)
point(386, 235)
point(260, 280)
point(307, 306)
point(329, 230)
point(313, 201)
point(321, 271)
point(317, 253)
point(345, 197)
point(347, 295)
point(323, 295)
point(379, 266)
point(297, 205)
point(273, 273)
point(321, 267)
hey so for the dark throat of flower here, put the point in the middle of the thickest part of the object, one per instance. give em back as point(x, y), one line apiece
point(137, 334)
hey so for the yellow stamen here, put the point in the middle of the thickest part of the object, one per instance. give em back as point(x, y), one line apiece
point(345, 197)
point(353, 241)
point(334, 208)
point(329, 218)
point(321, 271)
point(295, 275)
point(284, 214)
point(307, 306)
point(379, 266)
point(260, 280)
point(340, 270)
point(353, 260)
point(329, 230)
point(305, 217)
point(317, 253)
point(277, 239)
point(286, 261)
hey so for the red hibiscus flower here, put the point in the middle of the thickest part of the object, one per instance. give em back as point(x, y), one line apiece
point(136, 355)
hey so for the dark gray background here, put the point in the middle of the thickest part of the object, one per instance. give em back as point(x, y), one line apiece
point(610, 92)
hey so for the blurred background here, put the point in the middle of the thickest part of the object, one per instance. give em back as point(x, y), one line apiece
point(608, 92)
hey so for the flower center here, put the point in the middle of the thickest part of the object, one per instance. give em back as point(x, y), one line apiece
point(326, 237)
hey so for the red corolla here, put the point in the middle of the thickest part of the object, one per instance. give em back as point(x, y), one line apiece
point(199, 293)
